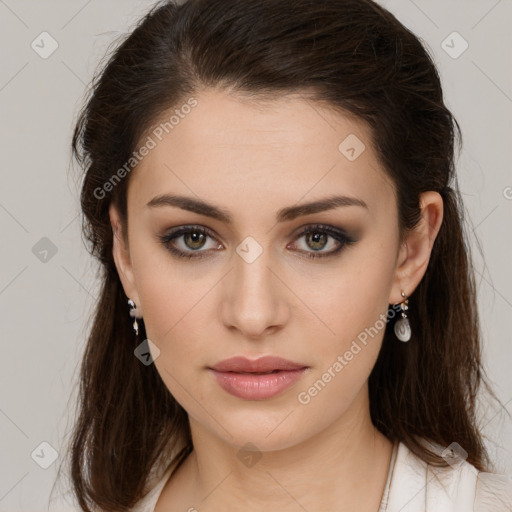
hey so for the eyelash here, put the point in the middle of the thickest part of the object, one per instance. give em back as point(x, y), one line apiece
point(338, 235)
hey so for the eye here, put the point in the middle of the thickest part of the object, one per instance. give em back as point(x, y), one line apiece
point(193, 237)
point(317, 238)
point(187, 241)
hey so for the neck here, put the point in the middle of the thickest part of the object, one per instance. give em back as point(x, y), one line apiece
point(343, 467)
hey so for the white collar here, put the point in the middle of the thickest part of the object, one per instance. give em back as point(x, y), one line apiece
point(415, 486)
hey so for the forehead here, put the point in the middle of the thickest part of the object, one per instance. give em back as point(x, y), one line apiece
point(230, 149)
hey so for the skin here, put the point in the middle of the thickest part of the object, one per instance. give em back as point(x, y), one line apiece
point(252, 160)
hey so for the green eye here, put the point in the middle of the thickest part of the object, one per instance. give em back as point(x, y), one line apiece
point(194, 238)
point(317, 238)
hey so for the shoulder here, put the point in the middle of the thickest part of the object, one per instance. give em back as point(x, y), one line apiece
point(419, 487)
point(493, 492)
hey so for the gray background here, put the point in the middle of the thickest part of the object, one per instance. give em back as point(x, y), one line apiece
point(45, 305)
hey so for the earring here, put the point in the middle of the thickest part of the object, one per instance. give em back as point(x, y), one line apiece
point(133, 312)
point(402, 325)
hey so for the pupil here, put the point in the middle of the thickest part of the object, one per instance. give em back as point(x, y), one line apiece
point(196, 237)
point(317, 239)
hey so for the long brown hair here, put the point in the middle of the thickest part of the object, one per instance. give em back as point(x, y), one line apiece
point(351, 55)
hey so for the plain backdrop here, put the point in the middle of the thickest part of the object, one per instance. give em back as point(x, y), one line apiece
point(47, 284)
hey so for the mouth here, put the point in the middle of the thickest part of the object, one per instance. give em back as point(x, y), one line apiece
point(256, 373)
point(259, 379)
point(263, 365)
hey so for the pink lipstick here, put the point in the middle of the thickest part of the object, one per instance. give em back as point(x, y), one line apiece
point(257, 379)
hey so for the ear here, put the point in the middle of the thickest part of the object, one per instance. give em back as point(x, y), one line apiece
point(414, 254)
point(121, 253)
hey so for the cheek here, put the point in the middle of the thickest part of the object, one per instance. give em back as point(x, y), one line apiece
point(171, 307)
point(354, 309)
point(168, 297)
point(353, 303)
point(344, 361)
point(170, 316)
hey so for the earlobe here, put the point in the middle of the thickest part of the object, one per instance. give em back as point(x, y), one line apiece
point(121, 255)
point(415, 252)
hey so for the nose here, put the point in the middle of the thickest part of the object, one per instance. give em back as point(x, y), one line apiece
point(254, 299)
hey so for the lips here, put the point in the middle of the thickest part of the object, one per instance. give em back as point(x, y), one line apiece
point(267, 364)
point(260, 379)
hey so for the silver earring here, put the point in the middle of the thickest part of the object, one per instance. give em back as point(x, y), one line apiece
point(133, 312)
point(402, 325)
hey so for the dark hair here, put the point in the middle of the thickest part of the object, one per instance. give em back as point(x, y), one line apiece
point(355, 57)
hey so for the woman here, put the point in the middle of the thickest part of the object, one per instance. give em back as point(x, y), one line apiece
point(287, 318)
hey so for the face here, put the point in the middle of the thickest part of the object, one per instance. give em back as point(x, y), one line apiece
point(259, 284)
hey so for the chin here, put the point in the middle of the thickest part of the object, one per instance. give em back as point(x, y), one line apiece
point(267, 431)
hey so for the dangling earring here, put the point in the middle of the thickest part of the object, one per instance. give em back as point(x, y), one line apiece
point(133, 313)
point(402, 325)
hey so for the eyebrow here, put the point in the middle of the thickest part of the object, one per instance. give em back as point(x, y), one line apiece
point(283, 215)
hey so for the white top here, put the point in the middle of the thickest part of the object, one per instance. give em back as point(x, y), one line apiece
point(414, 486)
